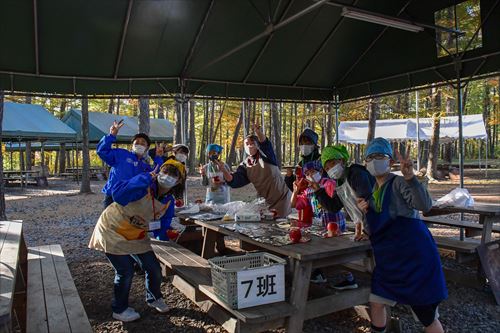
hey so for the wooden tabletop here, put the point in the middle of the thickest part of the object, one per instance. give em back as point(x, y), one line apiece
point(483, 209)
point(317, 248)
point(10, 241)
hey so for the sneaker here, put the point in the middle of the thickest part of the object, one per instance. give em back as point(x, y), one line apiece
point(346, 284)
point(318, 278)
point(159, 305)
point(126, 316)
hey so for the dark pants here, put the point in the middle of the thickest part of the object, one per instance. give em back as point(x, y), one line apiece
point(108, 200)
point(124, 272)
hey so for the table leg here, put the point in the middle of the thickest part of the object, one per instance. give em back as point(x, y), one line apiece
point(487, 228)
point(298, 295)
point(209, 241)
point(220, 244)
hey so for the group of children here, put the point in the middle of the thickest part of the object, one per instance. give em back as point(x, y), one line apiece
point(140, 199)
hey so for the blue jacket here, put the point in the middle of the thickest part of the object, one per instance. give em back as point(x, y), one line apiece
point(126, 191)
point(124, 164)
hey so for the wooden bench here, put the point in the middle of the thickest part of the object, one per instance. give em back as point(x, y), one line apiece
point(458, 223)
point(53, 303)
point(12, 276)
point(191, 275)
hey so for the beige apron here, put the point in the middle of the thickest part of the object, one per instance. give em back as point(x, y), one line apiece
point(123, 230)
point(270, 185)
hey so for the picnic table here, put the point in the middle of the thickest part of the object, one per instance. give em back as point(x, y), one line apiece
point(13, 276)
point(488, 215)
point(23, 176)
point(303, 258)
point(95, 173)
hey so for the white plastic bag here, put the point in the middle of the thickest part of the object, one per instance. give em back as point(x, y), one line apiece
point(459, 197)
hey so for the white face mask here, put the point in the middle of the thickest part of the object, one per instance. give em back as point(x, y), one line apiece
point(181, 157)
point(306, 150)
point(315, 178)
point(336, 172)
point(378, 167)
point(138, 149)
point(166, 181)
point(247, 150)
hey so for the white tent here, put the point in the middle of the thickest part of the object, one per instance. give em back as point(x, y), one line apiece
point(406, 129)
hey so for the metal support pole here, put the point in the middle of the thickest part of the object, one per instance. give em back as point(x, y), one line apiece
point(418, 130)
point(460, 137)
point(336, 119)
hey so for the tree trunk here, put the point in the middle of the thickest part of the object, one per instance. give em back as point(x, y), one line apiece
point(85, 186)
point(56, 163)
point(62, 158)
point(3, 217)
point(232, 152)
point(178, 119)
point(219, 124)
point(204, 133)
point(212, 120)
point(434, 147)
point(111, 106)
point(276, 132)
point(329, 129)
point(296, 135)
point(27, 99)
point(284, 133)
point(117, 110)
point(144, 115)
point(372, 119)
point(161, 106)
point(192, 136)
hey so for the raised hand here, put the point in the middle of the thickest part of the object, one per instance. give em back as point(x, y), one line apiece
point(113, 130)
point(406, 164)
point(202, 170)
point(154, 173)
point(159, 150)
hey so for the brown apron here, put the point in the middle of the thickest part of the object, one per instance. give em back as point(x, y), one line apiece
point(269, 183)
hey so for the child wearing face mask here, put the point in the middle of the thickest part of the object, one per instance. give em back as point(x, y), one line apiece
point(218, 192)
point(125, 164)
point(407, 264)
point(304, 199)
point(141, 204)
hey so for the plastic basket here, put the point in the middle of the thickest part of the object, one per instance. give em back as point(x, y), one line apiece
point(224, 272)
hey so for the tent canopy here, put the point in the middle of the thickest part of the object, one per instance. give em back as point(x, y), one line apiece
point(99, 124)
point(30, 122)
point(406, 129)
point(279, 49)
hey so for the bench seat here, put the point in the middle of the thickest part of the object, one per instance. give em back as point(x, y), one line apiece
point(53, 303)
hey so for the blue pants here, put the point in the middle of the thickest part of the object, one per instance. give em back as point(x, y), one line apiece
point(108, 200)
point(124, 272)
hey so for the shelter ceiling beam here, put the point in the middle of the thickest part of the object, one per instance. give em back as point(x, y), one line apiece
point(124, 36)
point(264, 47)
point(320, 48)
point(187, 62)
point(269, 30)
point(358, 60)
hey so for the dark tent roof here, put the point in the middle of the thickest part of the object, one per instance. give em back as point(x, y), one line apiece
point(30, 122)
point(226, 48)
point(99, 124)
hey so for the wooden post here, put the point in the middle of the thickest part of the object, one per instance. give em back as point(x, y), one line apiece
point(85, 187)
point(2, 192)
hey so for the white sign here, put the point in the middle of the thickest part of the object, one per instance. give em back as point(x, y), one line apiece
point(154, 225)
point(261, 286)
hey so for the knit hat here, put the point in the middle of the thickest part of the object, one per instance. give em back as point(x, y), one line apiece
point(312, 165)
point(177, 164)
point(310, 134)
point(337, 152)
point(379, 146)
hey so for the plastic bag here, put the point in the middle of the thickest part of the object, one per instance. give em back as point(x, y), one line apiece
point(459, 197)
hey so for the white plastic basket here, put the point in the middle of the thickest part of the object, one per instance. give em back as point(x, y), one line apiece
point(225, 269)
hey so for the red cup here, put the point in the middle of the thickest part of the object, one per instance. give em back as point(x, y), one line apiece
point(333, 229)
point(295, 235)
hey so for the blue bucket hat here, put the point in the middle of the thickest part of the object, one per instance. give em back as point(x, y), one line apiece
point(379, 146)
point(309, 133)
point(214, 147)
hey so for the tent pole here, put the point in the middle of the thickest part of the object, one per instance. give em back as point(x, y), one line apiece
point(336, 119)
point(418, 130)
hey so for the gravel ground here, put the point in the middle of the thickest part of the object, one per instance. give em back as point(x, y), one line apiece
point(59, 215)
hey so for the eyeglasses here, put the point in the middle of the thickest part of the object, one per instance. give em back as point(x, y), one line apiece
point(376, 157)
